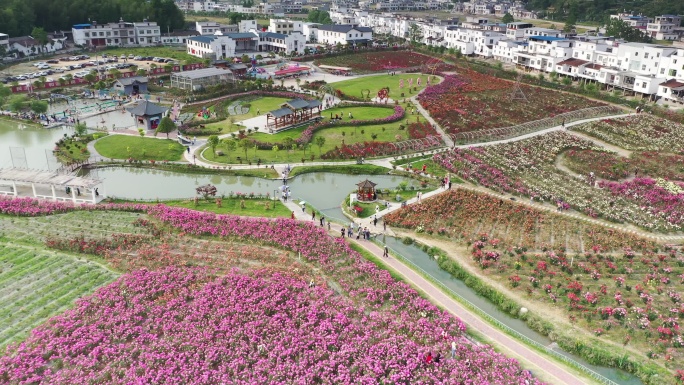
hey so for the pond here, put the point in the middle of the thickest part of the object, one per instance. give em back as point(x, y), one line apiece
point(28, 144)
point(324, 191)
point(421, 259)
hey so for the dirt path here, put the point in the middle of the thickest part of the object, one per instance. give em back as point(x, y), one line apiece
point(619, 150)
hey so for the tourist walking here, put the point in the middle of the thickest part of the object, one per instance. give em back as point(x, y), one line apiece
point(358, 234)
point(453, 349)
point(342, 232)
point(292, 216)
point(322, 220)
point(375, 221)
point(313, 215)
point(386, 252)
point(303, 207)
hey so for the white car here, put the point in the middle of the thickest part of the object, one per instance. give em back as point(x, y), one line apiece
point(77, 66)
point(80, 74)
point(22, 77)
point(40, 63)
point(59, 70)
point(43, 73)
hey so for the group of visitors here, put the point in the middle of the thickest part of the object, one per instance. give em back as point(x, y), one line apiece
point(445, 183)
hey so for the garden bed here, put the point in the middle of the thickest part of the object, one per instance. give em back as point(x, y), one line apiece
point(137, 148)
point(368, 62)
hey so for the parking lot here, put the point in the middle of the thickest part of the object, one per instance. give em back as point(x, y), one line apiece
point(77, 66)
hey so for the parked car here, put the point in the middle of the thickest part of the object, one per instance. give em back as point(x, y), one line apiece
point(21, 77)
point(53, 61)
point(59, 70)
point(38, 64)
point(77, 66)
point(131, 56)
point(137, 58)
point(83, 57)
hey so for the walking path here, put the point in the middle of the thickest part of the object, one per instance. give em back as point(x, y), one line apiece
point(531, 359)
point(445, 137)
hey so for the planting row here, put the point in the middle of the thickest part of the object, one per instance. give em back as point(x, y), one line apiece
point(620, 286)
point(527, 168)
point(35, 285)
point(472, 101)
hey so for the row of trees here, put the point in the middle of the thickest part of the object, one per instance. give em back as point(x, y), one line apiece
point(246, 144)
point(600, 10)
point(18, 17)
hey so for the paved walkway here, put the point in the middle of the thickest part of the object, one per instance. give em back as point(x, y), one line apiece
point(445, 137)
point(531, 359)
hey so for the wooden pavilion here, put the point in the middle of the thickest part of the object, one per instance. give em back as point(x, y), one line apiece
point(147, 114)
point(293, 113)
point(366, 191)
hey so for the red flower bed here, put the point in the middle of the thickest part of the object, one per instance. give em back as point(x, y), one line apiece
point(474, 101)
point(377, 61)
point(421, 130)
point(606, 165)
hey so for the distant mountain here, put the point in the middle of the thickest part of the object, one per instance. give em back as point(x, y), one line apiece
point(18, 17)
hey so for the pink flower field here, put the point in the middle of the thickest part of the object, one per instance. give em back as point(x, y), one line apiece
point(192, 325)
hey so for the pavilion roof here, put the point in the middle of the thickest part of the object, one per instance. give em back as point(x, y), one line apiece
point(279, 113)
point(297, 104)
point(146, 108)
point(366, 184)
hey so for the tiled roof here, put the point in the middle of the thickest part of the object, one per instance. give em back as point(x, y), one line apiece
point(573, 62)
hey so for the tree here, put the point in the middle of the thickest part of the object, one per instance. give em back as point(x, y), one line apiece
point(141, 72)
point(39, 106)
point(507, 18)
point(246, 144)
point(90, 78)
point(245, 59)
point(570, 23)
point(415, 33)
point(275, 149)
point(165, 126)
point(288, 143)
point(206, 191)
point(230, 146)
point(17, 103)
point(141, 132)
point(621, 30)
point(213, 141)
point(115, 73)
point(80, 129)
point(321, 17)
point(320, 141)
point(40, 35)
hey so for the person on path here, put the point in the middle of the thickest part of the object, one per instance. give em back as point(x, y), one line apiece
point(385, 253)
point(350, 229)
point(322, 220)
point(292, 216)
point(377, 209)
point(384, 224)
point(303, 207)
point(449, 184)
point(375, 221)
point(358, 234)
point(342, 232)
point(313, 215)
point(453, 349)
point(329, 226)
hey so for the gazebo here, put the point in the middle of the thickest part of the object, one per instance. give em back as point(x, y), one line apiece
point(366, 191)
point(293, 112)
point(147, 114)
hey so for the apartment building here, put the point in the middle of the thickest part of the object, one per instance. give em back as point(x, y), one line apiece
point(664, 27)
point(4, 42)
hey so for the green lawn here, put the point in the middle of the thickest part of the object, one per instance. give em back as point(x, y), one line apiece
point(261, 104)
point(333, 137)
point(253, 207)
point(124, 147)
point(354, 87)
point(352, 169)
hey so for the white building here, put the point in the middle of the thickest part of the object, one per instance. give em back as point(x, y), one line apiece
point(280, 42)
point(247, 25)
point(4, 42)
point(178, 37)
point(221, 46)
point(210, 27)
point(664, 27)
point(117, 34)
point(285, 26)
point(344, 34)
point(310, 31)
point(26, 45)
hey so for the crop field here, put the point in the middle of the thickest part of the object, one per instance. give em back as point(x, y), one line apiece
point(35, 285)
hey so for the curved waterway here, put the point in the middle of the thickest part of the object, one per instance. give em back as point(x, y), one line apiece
point(323, 190)
point(24, 145)
point(430, 266)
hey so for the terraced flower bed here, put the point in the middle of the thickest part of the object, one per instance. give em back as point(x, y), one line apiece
point(527, 168)
point(256, 325)
point(638, 133)
point(472, 101)
point(604, 164)
point(377, 61)
point(615, 285)
point(35, 285)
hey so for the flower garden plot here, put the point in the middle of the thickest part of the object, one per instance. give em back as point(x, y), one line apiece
point(605, 165)
point(638, 133)
point(378, 324)
point(622, 287)
point(396, 85)
point(472, 101)
point(527, 168)
point(377, 61)
point(35, 286)
point(463, 215)
point(67, 225)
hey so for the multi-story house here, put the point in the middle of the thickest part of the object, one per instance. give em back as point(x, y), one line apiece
point(4, 42)
point(344, 34)
point(285, 26)
point(664, 27)
point(210, 27)
point(117, 34)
